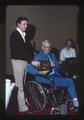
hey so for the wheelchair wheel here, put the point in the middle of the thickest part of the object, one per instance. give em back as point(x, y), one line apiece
point(35, 96)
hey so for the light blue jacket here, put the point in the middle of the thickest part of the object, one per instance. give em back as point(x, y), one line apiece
point(42, 56)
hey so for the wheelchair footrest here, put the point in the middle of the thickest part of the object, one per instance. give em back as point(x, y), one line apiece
point(55, 111)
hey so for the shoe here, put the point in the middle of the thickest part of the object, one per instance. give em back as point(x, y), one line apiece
point(75, 109)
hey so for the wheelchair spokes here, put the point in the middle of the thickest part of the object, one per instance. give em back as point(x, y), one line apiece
point(37, 94)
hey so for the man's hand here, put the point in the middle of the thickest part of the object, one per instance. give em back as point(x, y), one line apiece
point(35, 63)
point(52, 64)
point(43, 72)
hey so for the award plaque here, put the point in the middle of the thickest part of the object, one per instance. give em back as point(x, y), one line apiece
point(45, 65)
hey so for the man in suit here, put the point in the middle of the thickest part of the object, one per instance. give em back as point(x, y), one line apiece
point(20, 57)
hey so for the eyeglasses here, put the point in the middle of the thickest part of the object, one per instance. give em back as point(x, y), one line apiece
point(46, 46)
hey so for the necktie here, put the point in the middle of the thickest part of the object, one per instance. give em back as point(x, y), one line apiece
point(51, 61)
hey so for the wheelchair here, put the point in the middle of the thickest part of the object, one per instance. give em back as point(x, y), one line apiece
point(39, 96)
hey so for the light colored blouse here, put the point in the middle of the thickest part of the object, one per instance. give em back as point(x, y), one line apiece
point(67, 53)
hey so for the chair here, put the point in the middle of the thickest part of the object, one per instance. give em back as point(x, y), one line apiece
point(41, 95)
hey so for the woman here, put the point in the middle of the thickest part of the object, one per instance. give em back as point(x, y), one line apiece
point(68, 51)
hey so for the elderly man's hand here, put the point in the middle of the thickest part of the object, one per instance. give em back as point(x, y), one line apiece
point(35, 63)
point(43, 72)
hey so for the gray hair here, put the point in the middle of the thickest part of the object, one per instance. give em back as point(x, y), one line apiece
point(46, 42)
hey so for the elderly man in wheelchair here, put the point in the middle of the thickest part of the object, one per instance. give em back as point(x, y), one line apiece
point(46, 80)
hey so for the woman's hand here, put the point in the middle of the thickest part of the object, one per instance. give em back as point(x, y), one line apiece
point(43, 72)
point(60, 62)
point(35, 63)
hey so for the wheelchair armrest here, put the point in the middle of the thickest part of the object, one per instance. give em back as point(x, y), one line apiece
point(48, 86)
point(30, 76)
point(65, 74)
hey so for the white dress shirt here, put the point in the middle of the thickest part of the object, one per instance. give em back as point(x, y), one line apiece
point(67, 53)
point(22, 33)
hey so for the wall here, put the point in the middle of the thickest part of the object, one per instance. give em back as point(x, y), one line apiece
point(56, 23)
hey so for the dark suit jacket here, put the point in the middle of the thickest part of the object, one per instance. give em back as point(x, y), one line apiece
point(19, 49)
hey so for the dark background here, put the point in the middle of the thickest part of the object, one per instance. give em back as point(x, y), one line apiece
point(54, 22)
point(80, 39)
